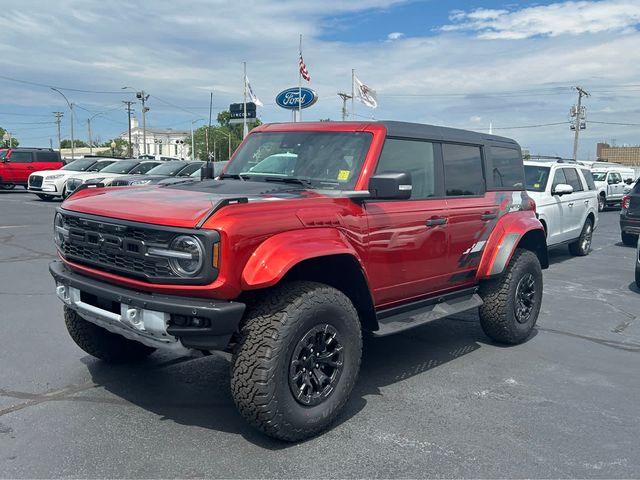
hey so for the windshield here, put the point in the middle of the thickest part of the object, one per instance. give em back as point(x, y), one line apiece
point(599, 176)
point(122, 166)
point(101, 165)
point(191, 168)
point(329, 160)
point(79, 165)
point(536, 177)
point(169, 168)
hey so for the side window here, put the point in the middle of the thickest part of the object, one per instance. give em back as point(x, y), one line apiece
point(506, 169)
point(462, 170)
point(588, 178)
point(572, 179)
point(614, 178)
point(414, 157)
point(558, 178)
point(47, 157)
point(20, 157)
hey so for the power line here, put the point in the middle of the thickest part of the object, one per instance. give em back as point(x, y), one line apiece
point(616, 123)
point(77, 90)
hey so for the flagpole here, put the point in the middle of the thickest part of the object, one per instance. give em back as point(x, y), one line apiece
point(353, 82)
point(300, 85)
point(245, 130)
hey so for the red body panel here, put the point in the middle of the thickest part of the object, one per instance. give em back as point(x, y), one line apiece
point(403, 258)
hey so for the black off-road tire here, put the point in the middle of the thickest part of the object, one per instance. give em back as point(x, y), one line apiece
point(629, 239)
point(498, 313)
point(101, 343)
point(7, 186)
point(45, 197)
point(270, 337)
point(637, 276)
point(602, 203)
point(582, 246)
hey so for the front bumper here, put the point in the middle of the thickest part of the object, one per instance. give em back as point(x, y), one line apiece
point(159, 321)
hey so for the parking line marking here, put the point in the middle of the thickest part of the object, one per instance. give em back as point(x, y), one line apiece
point(17, 226)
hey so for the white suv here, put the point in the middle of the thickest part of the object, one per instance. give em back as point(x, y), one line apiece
point(49, 184)
point(566, 202)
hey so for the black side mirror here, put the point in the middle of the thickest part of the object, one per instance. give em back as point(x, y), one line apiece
point(391, 186)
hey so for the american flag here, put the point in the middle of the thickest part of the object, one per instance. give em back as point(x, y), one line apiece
point(303, 70)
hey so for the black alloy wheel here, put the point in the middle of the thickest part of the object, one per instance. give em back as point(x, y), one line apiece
point(525, 293)
point(316, 365)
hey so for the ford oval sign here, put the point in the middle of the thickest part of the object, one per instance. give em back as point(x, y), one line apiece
point(290, 98)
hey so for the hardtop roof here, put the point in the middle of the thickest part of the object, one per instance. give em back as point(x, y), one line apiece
point(434, 132)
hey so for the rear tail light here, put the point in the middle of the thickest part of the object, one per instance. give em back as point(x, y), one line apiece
point(626, 200)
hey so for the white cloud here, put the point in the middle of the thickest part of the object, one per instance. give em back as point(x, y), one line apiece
point(395, 36)
point(562, 18)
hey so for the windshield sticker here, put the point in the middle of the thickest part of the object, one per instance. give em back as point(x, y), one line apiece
point(343, 175)
point(536, 185)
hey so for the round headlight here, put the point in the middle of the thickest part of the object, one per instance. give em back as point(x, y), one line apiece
point(60, 233)
point(190, 263)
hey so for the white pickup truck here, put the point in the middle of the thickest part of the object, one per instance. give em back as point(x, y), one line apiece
point(611, 183)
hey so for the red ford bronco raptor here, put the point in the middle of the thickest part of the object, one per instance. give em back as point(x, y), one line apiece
point(313, 234)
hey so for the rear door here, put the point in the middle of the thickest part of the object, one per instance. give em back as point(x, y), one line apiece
point(18, 167)
point(472, 211)
point(577, 205)
point(408, 239)
point(46, 160)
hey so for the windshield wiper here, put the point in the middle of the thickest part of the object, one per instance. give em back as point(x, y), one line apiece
point(298, 181)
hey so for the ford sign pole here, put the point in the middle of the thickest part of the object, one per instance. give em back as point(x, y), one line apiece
point(300, 85)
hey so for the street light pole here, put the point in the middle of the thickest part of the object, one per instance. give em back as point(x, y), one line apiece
point(143, 97)
point(71, 110)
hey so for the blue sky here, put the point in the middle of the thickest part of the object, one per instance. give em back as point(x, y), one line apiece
point(465, 64)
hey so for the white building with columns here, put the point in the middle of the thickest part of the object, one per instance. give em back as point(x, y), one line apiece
point(160, 141)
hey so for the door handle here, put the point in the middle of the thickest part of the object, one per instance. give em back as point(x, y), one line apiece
point(586, 202)
point(30, 168)
point(488, 216)
point(570, 204)
point(436, 221)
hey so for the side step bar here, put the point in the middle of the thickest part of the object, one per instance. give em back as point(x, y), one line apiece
point(405, 317)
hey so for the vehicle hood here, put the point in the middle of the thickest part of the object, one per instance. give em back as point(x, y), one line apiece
point(181, 204)
point(44, 173)
point(153, 178)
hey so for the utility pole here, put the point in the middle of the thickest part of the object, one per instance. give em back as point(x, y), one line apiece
point(344, 97)
point(58, 116)
point(143, 97)
point(90, 140)
point(578, 119)
point(130, 149)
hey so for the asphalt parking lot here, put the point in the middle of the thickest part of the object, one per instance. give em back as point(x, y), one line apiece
point(439, 401)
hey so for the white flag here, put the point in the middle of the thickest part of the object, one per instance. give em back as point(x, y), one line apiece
point(252, 96)
point(365, 94)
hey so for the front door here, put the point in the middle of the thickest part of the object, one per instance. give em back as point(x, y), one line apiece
point(408, 239)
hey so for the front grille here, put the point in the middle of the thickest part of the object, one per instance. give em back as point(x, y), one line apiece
point(117, 248)
point(35, 181)
point(119, 183)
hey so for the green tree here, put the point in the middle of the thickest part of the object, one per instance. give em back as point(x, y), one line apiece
point(121, 149)
point(66, 143)
point(220, 138)
point(5, 143)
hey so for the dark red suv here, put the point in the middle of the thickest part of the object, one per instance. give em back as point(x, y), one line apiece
point(16, 164)
point(313, 234)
